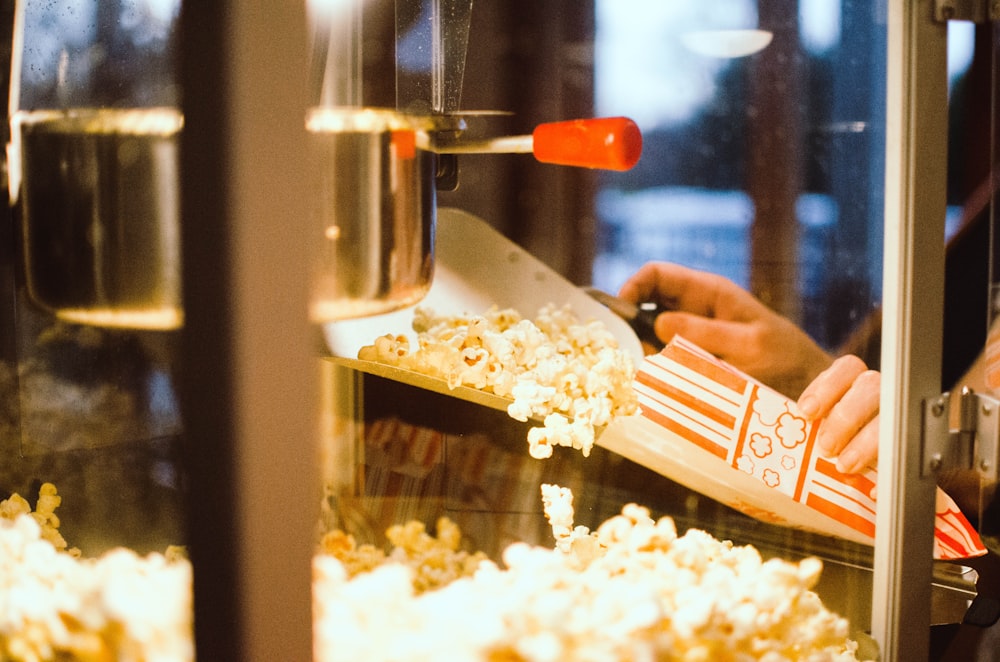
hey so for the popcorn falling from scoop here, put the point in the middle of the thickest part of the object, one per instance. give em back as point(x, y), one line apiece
point(568, 373)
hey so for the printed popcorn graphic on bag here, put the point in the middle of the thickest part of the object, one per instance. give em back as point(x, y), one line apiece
point(715, 429)
point(777, 447)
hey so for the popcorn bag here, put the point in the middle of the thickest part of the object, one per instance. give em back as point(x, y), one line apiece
point(716, 430)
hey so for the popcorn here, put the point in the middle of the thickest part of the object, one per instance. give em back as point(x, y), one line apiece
point(632, 590)
point(638, 592)
point(55, 605)
point(567, 373)
point(434, 561)
point(44, 515)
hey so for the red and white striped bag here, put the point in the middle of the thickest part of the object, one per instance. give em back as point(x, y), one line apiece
point(711, 427)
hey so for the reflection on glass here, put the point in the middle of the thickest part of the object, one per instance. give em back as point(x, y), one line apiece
point(93, 160)
point(763, 168)
point(99, 203)
point(93, 172)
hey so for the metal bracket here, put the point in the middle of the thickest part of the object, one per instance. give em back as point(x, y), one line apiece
point(973, 446)
point(977, 11)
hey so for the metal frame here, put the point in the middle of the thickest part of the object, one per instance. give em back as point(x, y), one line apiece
point(249, 381)
point(966, 10)
point(913, 285)
point(972, 445)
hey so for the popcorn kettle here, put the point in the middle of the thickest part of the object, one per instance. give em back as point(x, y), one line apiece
point(93, 157)
point(377, 170)
point(92, 160)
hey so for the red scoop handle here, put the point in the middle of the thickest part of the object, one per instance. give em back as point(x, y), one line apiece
point(608, 143)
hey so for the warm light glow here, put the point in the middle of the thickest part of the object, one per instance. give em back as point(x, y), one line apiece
point(323, 310)
point(162, 319)
point(332, 232)
point(330, 6)
point(326, 15)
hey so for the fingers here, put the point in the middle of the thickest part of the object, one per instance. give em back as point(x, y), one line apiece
point(718, 337)
point(847, 395)
point(830, 386)
point(642, 285)
point(860, 452)
point(689, 290)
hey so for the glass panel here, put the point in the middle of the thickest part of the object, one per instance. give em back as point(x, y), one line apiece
point(984, 206)
point(763, 162)
point(762, 167)
point(786, 119)
point(93, 164)
point(90, 426)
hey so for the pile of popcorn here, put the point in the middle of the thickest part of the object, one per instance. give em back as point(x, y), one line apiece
point(632, 590)
point(55, 605)
point(567, 373)
point(434, 561)
point(44, 515)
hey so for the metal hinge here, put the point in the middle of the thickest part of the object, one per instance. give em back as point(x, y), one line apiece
point(973, 446)
point(977, 11)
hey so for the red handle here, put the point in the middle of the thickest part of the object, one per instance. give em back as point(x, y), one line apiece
point(610, 143)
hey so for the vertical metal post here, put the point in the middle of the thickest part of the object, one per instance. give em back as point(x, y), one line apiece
point(916, 144)
point(248, 381)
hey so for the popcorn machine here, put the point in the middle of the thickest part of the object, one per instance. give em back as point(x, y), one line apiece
point(193, 395)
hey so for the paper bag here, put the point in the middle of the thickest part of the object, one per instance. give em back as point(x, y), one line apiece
point(714, 429)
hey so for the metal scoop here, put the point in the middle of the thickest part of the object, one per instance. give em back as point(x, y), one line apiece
point(640, 316)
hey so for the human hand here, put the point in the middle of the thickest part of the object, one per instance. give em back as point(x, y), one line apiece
point(723, 318)
point(847, 395)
